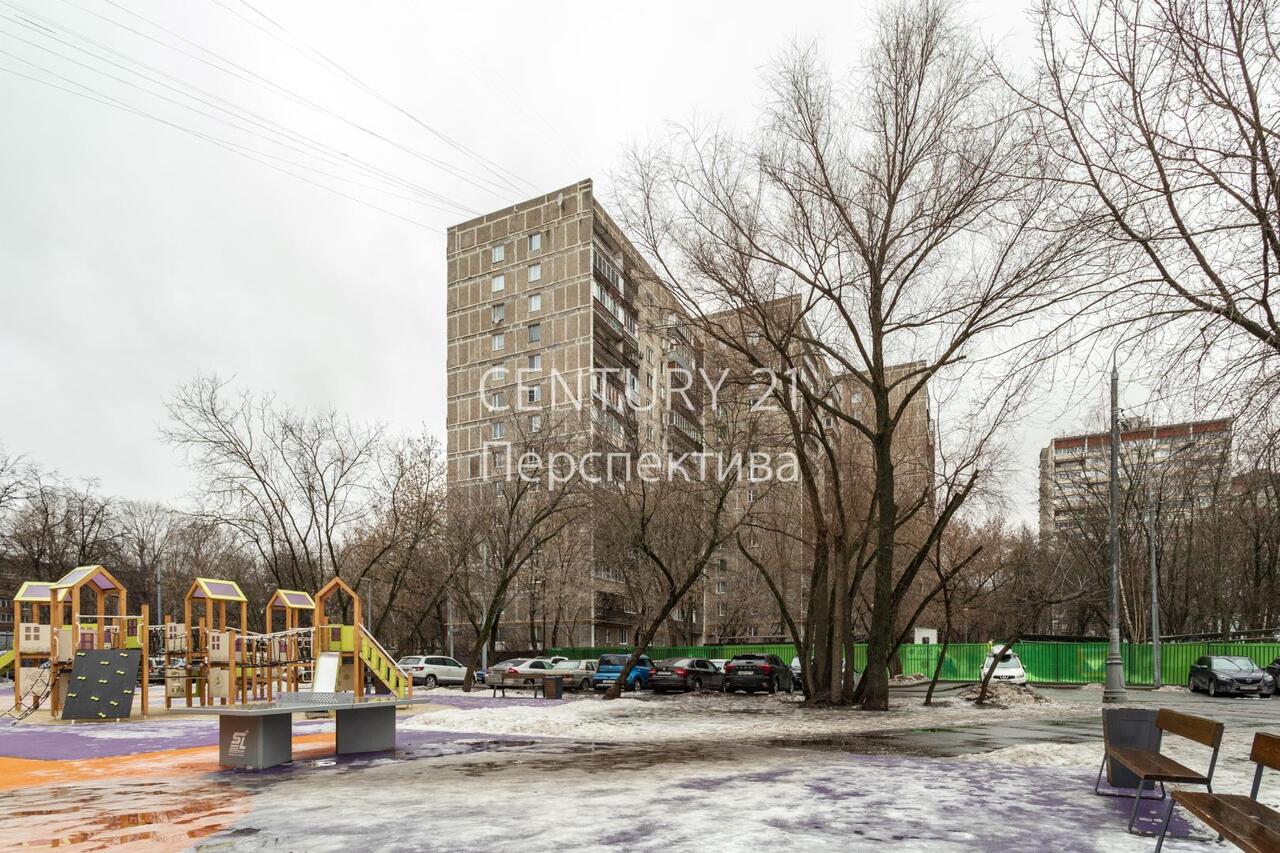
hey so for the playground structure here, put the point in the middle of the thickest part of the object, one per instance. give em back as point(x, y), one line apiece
point(289, 650)
point(210, 657)
point(52, 632)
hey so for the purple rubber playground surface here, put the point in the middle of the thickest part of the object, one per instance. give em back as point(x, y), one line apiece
point(75, 741)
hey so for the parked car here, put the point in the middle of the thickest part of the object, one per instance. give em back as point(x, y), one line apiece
point(1230, 676)
point(609, 667)
point(686, 674)
point(1008, 668)
point(1273, 670)
point(577, 673)
point(512, 669)
point(758, 672)
point(795, 669)
point(719, 663)
point(430, 670)
point(155, 669)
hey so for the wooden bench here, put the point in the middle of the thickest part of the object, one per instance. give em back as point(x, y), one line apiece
point(1153, 768)
point(1243, 821)
point(524, 681)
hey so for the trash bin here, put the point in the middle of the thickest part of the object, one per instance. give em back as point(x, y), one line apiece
point(1128, 727)
point(553, 687)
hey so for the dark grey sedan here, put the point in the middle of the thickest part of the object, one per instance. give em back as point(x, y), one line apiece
point(686, 674)
point(1230, 676)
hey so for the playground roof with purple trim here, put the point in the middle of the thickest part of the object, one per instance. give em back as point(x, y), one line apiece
point(34, 591)
point(78, 577)
point(217, 590)
point(292, 599)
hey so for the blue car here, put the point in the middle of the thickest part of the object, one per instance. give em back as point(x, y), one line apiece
point(610, 667)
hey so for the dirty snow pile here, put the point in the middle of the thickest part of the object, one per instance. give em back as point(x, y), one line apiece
point(1006, 695)
point(715, 716)
point(912, 678)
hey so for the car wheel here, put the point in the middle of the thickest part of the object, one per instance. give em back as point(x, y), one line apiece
point(633, 685)
point(1213, 688)
point(773, 685)
point(1191, 683)
point(697, 685)
point(429, 682)
point(586, 684)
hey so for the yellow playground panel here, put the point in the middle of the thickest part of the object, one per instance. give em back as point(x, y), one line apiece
point(356, 646)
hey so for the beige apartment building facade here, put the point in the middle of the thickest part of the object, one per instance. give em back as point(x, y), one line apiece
point(554, 322)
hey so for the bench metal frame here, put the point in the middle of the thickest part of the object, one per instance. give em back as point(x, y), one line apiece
point(1138, 797)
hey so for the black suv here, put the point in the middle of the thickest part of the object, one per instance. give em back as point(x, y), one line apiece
point(758, 672)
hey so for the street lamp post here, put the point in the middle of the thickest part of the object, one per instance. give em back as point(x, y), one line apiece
point(1114, 690)
point(1155, 593)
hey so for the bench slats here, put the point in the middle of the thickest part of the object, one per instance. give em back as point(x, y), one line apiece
point(1154, 767)
point(1198, 729)
point(1266, 750)
point(1244, 822)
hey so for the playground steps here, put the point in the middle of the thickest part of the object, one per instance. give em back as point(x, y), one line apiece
point(6, 660)
point(381, 664)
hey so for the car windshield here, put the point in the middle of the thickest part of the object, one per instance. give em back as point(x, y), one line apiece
point(614, 660)
point(567, 664)
point(749, 658)
point(675, 662)
point(410, 660)
point(520, 662)
point(1233, 664)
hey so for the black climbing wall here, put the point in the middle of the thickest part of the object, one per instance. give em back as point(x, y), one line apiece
point(102, 684)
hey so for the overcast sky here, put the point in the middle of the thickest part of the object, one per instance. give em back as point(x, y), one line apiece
point(134, 254)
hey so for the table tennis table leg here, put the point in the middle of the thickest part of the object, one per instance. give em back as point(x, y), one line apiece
point(255, 743)
point(367, 729)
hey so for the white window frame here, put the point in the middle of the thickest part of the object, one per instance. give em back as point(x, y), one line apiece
point(498, 342)
point(498, 284)
point(498, 253)
point(535, 272)
point(535, 333)
point(535, 241)
point(535, 302)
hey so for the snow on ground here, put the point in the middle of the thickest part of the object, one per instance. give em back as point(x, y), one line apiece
point(689, 798)
point(1233, 773)
point(717, 716)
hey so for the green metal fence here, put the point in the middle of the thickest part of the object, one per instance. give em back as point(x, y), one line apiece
point(1045, 663)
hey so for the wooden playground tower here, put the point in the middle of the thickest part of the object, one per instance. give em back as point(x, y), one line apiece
point(50, 627)
point(221, 651)
point(355, 645)
point(290, 651)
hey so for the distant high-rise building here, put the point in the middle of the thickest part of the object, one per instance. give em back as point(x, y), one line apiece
point(1075, 470)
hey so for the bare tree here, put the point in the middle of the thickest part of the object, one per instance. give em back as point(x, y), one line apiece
point(906, 217)
point(1162, 116)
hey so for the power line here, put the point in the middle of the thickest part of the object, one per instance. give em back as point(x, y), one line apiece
point(326, 152)
point(324, 60)
point(94, 95)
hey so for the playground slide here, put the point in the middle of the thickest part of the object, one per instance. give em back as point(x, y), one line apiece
point(382, 666)
point(6, 660)
point(324, 678)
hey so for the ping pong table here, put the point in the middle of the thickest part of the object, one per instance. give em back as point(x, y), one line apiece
point(258, 735)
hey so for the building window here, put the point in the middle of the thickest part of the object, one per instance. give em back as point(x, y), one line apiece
point(499, 341)
point(535, 303)
point(829, 421)
point(535, 272)
point(535, 423)
point(722, 610)
point(722, 587)
point(499, 283)
point(535, 361)
point(499, 253)
point(753, 338)
point(648, 380)
point(497, 400)
point(535, 333)
point(499, 430)
point(535, 242)
point(499, 312)
point(534, 393)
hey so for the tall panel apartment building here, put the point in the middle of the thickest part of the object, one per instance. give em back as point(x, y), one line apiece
point(550, 288)
point(1075, 470)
